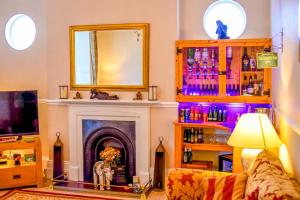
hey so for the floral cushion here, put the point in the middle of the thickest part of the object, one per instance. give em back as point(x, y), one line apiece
point(224, 187)
point(268, 180)
point(185, 184)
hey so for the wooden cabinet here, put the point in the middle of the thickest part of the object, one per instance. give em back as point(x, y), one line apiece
point(25, 174)
point(211, 71)
point(212, 75)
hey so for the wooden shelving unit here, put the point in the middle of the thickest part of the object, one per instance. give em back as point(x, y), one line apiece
point(193, 82)
point(26, 174)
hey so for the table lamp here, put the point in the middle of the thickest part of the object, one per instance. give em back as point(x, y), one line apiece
point(253, 131)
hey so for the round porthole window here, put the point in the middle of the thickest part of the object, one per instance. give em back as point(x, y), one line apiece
point(20, 31)
point(230, 13)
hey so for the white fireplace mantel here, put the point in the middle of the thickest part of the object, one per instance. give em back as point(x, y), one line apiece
point(98, 102)
point(116, 110)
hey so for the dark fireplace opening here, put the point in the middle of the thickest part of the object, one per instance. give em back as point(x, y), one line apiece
point(116, 134)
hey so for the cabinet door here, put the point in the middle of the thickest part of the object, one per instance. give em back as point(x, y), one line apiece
point(197, 74)
point(244, 80)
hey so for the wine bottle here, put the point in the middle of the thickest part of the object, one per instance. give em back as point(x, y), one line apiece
point(185, 156)
point(210, 114)
point(190, 155)
point(245, 89)
point(252, 60)
point(200, 136)
point(185, 136)
point(245, 61)
point(228, 61)
point(256, 86)
point(189, 136)
point(250, 86)
point(196, 136)
point(224, 116)
point(192, 136)
point(220, 115)
point(215, 114)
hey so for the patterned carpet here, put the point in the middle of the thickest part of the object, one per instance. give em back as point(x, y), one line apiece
point(20, 194)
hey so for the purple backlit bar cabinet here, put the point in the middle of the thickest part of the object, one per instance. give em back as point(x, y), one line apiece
point(216, 82)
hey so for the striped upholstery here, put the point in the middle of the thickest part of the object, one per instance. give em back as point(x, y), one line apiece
point(224, 187)
point(186, 184)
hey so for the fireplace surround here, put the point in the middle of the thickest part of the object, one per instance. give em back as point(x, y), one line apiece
point(138, 113)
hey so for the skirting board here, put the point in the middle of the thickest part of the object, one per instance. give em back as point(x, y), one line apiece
point(48, 167)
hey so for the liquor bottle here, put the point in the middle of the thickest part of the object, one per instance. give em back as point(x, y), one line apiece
point(182, 115)
point(190, 60)
point(198, 90)
point(200, 136)
point(213, 63)
point(229, 90)
point(202, 90)
point(196, 136)
point(252, 60)
point(256, 86)
point(196, 113)
point(245, 61)
point(216, 89)
point(192, 136)
point(220, 115)
point(224, 116)
point(228, 61)
point(207, 89)
point(190, 155)
point(205, 56)
point(185, 136)
point(245, 89)
point(238, 90)
point(210, 89)
point(250, 86)
point(185, 156)
point(197, 56)
point(200, 112)
point(233, 90)
point(261, 87)
point(210, 114)
point(215, 114)
point(188, 135)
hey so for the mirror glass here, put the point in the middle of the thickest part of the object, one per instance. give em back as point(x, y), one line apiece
point(110, 57)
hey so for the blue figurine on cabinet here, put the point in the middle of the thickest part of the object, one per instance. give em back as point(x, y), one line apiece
point(221, 30)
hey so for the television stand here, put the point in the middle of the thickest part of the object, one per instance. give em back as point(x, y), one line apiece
point(27, 173)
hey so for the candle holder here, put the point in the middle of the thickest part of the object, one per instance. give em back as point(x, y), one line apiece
point(152, 93)
point(63, 92)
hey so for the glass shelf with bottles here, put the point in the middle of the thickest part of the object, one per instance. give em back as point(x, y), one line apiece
point(200, 71)
point(217, 114)
point(243, 78)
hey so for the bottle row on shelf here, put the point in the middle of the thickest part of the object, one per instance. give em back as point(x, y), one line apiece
point(196, 136)
point(197, 113)
point(201, 90)
point(253, 87)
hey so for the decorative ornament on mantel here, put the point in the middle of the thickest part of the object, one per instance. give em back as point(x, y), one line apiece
point(138, 96)
point(77, 95)
point(97, 94)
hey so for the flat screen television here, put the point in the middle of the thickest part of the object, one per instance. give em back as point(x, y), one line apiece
point(18, 113)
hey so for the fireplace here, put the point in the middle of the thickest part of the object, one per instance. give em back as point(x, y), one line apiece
point(86, 118)
point(100, 134)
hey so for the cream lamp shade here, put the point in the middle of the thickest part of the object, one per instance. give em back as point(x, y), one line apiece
point(254, 131)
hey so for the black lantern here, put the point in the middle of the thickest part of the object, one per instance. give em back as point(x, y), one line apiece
point(159, 167)
point(58, 158)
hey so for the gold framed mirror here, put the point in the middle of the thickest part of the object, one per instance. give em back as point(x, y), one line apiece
point(109, 57)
